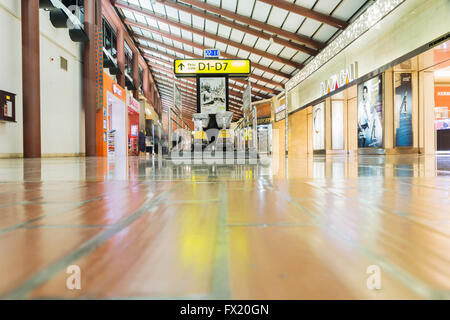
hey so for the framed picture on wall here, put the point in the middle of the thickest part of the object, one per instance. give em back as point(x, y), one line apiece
point(370, 113)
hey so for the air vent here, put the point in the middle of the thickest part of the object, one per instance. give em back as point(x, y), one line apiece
point(63, 63)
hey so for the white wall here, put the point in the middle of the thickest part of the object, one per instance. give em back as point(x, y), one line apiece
point(62, 115)
point(413, 24)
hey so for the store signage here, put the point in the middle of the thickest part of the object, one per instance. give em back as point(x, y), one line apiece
point(133, 104)
point(265, 120)
point(117, 90)
point(211, 53)
point(340, 79)
point(191, 68)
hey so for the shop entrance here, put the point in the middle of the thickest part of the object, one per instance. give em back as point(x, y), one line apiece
point(117, 135)
point(442, 97)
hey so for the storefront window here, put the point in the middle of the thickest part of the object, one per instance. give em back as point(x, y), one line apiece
point(109, 39)
point(128, 60)
point(141, 80)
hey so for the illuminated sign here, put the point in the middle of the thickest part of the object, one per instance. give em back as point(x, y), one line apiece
point(211, 53)
point(191, 68)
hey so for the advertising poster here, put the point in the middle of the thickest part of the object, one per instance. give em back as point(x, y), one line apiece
point(370, 113)
point(403, 110)
point(213, 96)
point(318, 118)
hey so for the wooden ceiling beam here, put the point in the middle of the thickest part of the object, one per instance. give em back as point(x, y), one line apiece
point(254, 85)
point(329, 20)
point(214, 18)
point(232, 86)
point(201, 47)
point(255, 23)
point(193, 55)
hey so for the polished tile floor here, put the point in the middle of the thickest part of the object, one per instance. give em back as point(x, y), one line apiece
point(306, 228)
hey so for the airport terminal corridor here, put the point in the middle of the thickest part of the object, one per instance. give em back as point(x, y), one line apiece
point(149, 228)
point(224, 158)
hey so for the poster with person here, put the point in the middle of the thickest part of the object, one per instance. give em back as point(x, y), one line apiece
point(213, 97)
point(403, 110)
point(370, 113)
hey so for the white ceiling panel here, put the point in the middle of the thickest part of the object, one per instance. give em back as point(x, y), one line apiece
point(309, 26)
point(293, 22)
point(324, 33)
point(224, 31)
point(236, 35)
point(305, 3)
point(348, 9)
point(249, 40)
point(198, 22)
point(277, 17)
point(272, 16)
point(172, 13)
point(326, 6)
point(211, 26)
point(275, 48)
point(210, 43)
point(245, 7)
point(229, 5)
point(261, 11)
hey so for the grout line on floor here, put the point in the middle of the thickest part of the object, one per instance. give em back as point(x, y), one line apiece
point(404, 277)
point(220, 283)
point(90, 245)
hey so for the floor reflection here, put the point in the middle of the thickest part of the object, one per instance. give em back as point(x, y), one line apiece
point(275, 228)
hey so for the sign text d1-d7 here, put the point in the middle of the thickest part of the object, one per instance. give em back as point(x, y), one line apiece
point(191, 68)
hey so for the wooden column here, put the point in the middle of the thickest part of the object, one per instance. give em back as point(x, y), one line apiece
point(135, 75)
point(146, 84)
point(121, 56)
point(31, 87)
point(89, 81)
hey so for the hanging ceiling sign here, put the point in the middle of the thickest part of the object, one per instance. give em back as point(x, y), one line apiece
point(191, 68)
point(211, 53)
point(339, 80)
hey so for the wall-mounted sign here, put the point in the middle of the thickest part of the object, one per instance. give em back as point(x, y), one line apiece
point(339, 80)
point(191, 68)
point(133, 104)
point(117, 90)
point(211, 53)
point(265, 120)
point(280, 113)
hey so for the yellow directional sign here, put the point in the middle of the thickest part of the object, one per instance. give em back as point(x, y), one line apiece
point(191, 68)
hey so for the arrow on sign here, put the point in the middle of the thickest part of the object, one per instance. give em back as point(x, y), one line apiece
point(181, 67)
